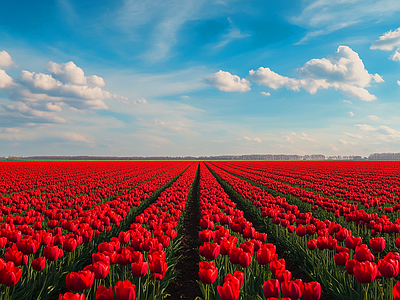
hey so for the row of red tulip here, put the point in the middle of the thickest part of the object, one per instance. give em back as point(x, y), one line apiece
point(150, 234)
point(252, 255)
point(360, 264)
point(348, 180)
point(54, 241)
point(372, 221)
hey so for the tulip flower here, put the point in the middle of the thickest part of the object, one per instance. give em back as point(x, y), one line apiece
point(341, 258)
point(396, 291)
point(365, 272)
point(9, 276)
point(210, 250)
point(292, 289)
point(388, 268)
point(271, 288)
point(208, 273)
point(52, 252)
point(100, 269)
point(71, 296)
point(125, 290)
point(276, 265)
point(312, 244)
point(70, 245)
point(38, 264)
point(229, 290)
point(158, 266)
point(377, 244)
point(102, 293)
point(266, 254)
point(140, 268)
point(312, 290)
point(79, 281)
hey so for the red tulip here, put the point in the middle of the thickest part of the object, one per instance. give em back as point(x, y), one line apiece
point(363, 253)
point(9, 276)
point(125, 290)
point(79, 281)
point(208, 273)
point(158, 266)
point(312, 244)
point(100, 269)
point(396, 291)
point(235, 255)
point(365, 272)
point(140, 268)
point(52, 252)
point(39, 263)
point(377, 244)
point(271, 288)
point(102, 293)
point(276, 265)
point(229, 290)
point(292, 289)
point(71, 296)
point(312, 290)
point(266, 254)
point(70, 245)
point(352, 242)
point(283, 275)
point(341, 258)
point(388, 268)
point(210, 250)
point(245, 259)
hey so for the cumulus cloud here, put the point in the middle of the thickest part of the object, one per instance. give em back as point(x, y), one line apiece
point(5, 80)
point(226, 82)
point(395, 56)
point(265, 94)
point(388, 41)
point(69, 73)
point(398, 82)
point(351, 114)
point(257, 140)
point(373, 118)
point(40, 96)
point(343, 71)
point(5, 60)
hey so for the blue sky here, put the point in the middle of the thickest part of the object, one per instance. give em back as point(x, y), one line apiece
point(200, 77)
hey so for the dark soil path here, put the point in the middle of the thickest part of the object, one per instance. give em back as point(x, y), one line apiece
point(185, 285)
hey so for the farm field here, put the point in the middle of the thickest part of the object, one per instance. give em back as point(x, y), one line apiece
point(218, 230)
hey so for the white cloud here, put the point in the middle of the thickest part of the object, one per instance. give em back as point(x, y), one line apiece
point(373, 118)
point(185, 97)
point(71, 73)
point(351, 114)
point(247, 138)
point(347, 101)
point(21, 114)
point(344, 142)
point(267, 94)
point(398, 82)
point(5, 60)
point(75, 137)
point(389, 131)
point(140, 101)
point(395, 56)
point(334, 148)
point(322, 17)
point(264, 76)
point(343, 71)
point(232, 34)
point(365, 127)
point(226, 82)
point(257, 140)
point(5, 80)
point(354, 136)
point(388, 41)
